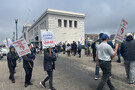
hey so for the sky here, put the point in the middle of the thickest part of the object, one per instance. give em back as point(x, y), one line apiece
point(101, 15)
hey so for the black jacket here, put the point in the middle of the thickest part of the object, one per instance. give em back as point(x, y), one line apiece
point(28, 60)
point(49, 61)
point(128, 49)
point(11, 59)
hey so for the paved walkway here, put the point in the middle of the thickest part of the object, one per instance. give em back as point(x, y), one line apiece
point(72, 73)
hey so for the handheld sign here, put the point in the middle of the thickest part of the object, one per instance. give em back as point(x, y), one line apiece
point(121, 31)
point(47, 39)
point(21, 47)
point(7, 42)
point(81, 39)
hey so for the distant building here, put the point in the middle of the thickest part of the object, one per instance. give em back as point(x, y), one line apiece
point(112, 36)
point(91, 37)
point(66, 26)
point(25, 32)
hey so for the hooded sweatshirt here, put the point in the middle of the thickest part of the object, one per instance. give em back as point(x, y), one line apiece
point(128, 49)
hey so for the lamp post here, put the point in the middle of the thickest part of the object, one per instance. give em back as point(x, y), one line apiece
point(16, 21)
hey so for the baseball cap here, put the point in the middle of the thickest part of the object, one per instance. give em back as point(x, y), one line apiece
point(104, 36)
point(11, 46)
point(129, 34)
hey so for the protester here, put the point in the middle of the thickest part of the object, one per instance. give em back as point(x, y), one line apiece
point(28, 63)
point(64, 48)
point(128, 53)
point(118, 54)
point(56, 50)
point(110, 43)
point(49, 65)
point(104, 56)
point(59, 48)
point(74, 47)
point(89, 51)
point(79, 49)
point(96, 45)
point(93, 46)
point(68, 49)
point(12, 56)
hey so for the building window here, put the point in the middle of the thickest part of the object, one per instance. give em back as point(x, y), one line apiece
point(70, 23)
point(75, 24)
point(59, 23)
point(65, 23)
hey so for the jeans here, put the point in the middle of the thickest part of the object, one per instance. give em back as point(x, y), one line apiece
point(106, 69)
point(79, 52)
point(28, 75)
point(130, 70)
point(97, 71)
point(12, 70)
point(118, 54)
point(50, 78)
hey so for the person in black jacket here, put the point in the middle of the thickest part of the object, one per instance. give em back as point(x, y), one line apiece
point(49, 65)
point(74, 47)
point(28, 62)
point(128, 53)
point(12, 56)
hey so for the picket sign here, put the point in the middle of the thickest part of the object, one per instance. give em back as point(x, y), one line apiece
point(121, 31)
point(81, 39)
point(21, 47)
point(7, 42)
point(47, 39)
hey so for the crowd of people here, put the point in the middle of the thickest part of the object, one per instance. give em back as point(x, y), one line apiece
point(103, 51)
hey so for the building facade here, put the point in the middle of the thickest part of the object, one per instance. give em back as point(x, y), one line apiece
point(25, 33)
point(91, 37)
point(66, 26)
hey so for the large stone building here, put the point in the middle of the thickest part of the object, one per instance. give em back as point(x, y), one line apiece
point(66, 26)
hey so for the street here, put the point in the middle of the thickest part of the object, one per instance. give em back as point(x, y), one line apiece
point(72, 73)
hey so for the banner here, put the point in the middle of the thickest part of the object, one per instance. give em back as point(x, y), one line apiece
point(81, 39)
point(121, 31)
point(47, 39)
point(21, 47)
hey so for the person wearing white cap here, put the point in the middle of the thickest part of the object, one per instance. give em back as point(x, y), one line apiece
point(128, 53)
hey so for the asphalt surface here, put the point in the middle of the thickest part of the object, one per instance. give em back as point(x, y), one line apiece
point(70, 74)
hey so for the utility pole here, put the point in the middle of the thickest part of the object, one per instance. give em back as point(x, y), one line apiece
point(16, 21)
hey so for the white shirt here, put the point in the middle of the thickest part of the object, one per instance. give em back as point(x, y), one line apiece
point(104, 51)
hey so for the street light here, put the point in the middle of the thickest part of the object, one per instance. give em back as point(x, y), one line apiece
point(16, 21)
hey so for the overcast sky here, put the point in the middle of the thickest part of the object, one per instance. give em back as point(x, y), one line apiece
point(101, 15)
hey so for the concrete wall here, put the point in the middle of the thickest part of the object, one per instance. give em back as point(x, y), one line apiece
point(63, 34)
point(68, 34)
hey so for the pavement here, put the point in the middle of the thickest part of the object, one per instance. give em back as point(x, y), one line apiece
point(72, 73)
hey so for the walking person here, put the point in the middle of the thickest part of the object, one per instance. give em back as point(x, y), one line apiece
point(12, 56)
point(93, 46)
point(128, 53)
point(79, 49)
point(28, 63)
point(118, 54)
point(104, 57)
point(74, 47)
point(64, 48)
point(68, 49)
point(49, 65)
point(56, 50)
point(96, 45)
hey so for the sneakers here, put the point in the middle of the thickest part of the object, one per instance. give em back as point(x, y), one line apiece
point(42, 84)
point(97, 78)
